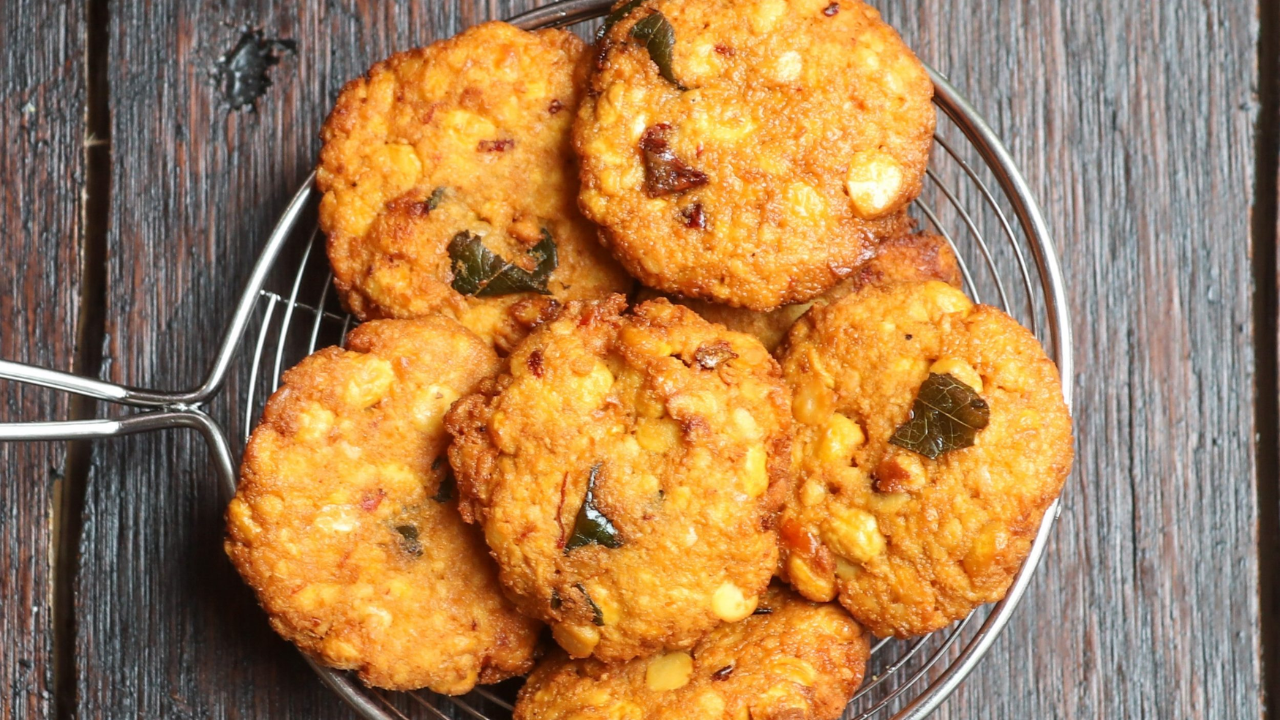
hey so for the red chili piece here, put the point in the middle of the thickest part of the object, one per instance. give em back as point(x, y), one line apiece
point(535, 363)
point(666, 174)
point(496, 145)
point(694, 217)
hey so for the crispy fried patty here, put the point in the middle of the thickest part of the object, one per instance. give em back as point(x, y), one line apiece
point(343, 522)
point(464, 141)
point(912, 257)
point(626, 472)
point(751, 152)
point(911, 543)
point(794, 659)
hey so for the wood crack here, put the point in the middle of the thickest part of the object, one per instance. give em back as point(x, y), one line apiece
point(69, 500)
point(1266, 232)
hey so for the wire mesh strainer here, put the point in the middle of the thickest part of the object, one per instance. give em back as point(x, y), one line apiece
point(287, 310)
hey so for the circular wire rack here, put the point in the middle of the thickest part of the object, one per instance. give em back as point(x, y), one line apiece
point(975, 197)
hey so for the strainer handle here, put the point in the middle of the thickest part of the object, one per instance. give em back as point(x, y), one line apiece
point(87, 387)
point(163, 414)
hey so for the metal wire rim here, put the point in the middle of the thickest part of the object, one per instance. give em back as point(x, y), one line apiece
point(186, 409)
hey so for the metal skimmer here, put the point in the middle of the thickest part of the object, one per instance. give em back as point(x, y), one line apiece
point(287, 310)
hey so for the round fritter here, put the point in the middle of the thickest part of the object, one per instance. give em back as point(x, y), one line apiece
point(908, 542)
point(915, 257)
point(344, 525)
point(462, 147)
point(627, 472)
point(751, 152)
point(799, 660)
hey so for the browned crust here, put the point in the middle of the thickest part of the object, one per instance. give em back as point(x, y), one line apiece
point(336, 527)
point(783, 106)
point(802, 660)
point(467, 134)
point(908, 543)
point(689, 427)
point(912, 257)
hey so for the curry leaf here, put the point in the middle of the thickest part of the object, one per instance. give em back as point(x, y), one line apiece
point(514, 279)
point(592, 527)
point(659, 39)
point(480, 272)
point(946, 416)
point(409, 539)
point(597, 615)
point(618, 16)
point(473, 265)
point(437, 197)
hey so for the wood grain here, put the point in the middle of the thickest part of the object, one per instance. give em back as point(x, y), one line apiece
point(1135, 125)
point(41, 129)
point(170, 630)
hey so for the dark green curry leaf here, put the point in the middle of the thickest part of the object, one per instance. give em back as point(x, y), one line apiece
point(513, 279)
point(659, 39)
point(946, 416)
point(592, 527)
point(437, 197)
point(409, 539)
point(473, 265)
point(556, 602)
point(597, 615)
point(618, 16)
point(480, 272)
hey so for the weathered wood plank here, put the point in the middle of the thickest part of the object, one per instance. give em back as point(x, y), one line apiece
point(1134, 123)
point(167, 628)
point(42, 102)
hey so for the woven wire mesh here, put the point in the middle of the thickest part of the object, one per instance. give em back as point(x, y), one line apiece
point(968, 198)
point(975, 197)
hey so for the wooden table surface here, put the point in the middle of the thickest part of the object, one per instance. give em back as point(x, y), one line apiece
point(134, 199)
